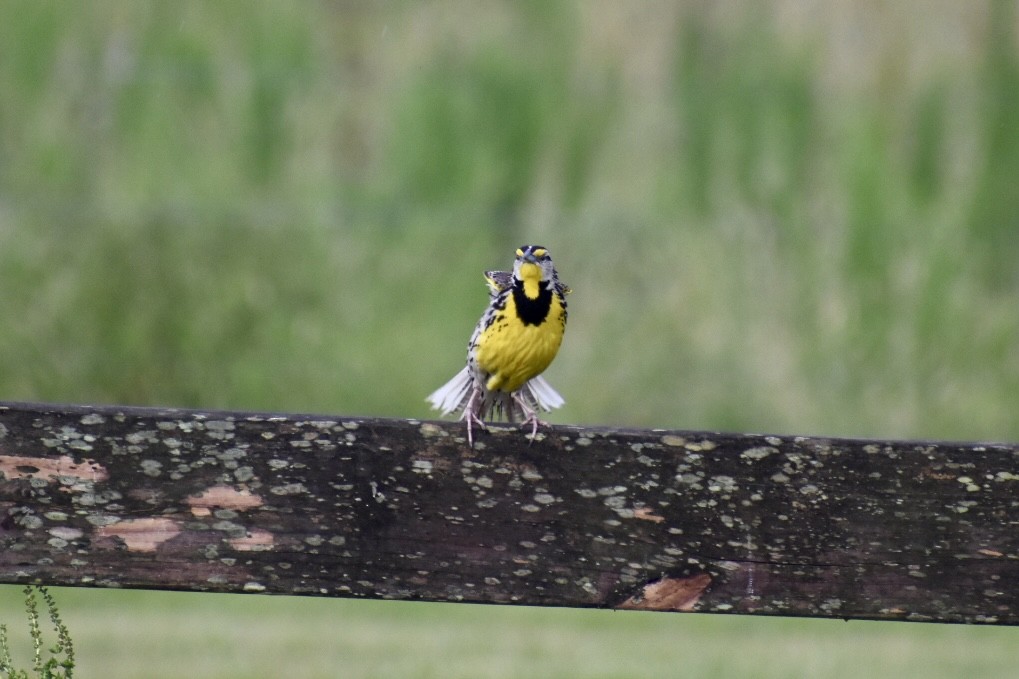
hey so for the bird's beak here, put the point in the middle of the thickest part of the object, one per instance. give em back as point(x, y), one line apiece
point(530, 258)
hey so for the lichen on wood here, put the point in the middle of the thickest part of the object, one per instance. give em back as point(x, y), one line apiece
point(403, 509)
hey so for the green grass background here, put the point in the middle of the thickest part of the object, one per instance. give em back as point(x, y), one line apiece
point(795, 218)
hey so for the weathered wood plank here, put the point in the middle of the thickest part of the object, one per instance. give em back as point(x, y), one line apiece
point(401, 509)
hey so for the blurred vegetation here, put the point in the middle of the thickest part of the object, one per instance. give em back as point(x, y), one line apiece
point(288, 207)
point(169, 635)
point(794, 218)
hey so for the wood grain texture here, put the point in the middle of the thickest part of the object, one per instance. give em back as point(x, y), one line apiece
point(402, 509)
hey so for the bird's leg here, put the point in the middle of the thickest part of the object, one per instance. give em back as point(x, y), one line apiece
point(530, 416)
point(471, 414)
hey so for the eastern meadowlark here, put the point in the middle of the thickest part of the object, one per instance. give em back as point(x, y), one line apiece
point(516, 339)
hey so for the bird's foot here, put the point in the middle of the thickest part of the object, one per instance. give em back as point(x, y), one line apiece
point(530, 417)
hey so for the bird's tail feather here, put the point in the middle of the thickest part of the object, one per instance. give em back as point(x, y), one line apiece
point(455, 394)
point(539, 392)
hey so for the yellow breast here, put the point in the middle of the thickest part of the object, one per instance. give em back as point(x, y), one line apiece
point(512, 351)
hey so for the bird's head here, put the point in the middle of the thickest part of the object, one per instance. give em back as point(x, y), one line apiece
point(533, 264)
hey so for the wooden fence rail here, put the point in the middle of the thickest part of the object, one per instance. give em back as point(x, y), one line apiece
point(403, 509)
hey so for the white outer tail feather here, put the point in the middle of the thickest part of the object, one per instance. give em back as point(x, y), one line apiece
point(454, 395)
point(542, 393)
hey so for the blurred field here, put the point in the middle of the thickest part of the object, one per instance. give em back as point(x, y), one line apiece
point(800, 217)
point(128, 635)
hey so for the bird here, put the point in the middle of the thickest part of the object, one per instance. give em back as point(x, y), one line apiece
point(515, 340)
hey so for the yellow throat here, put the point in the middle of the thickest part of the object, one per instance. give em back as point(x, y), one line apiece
point(530, 274)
